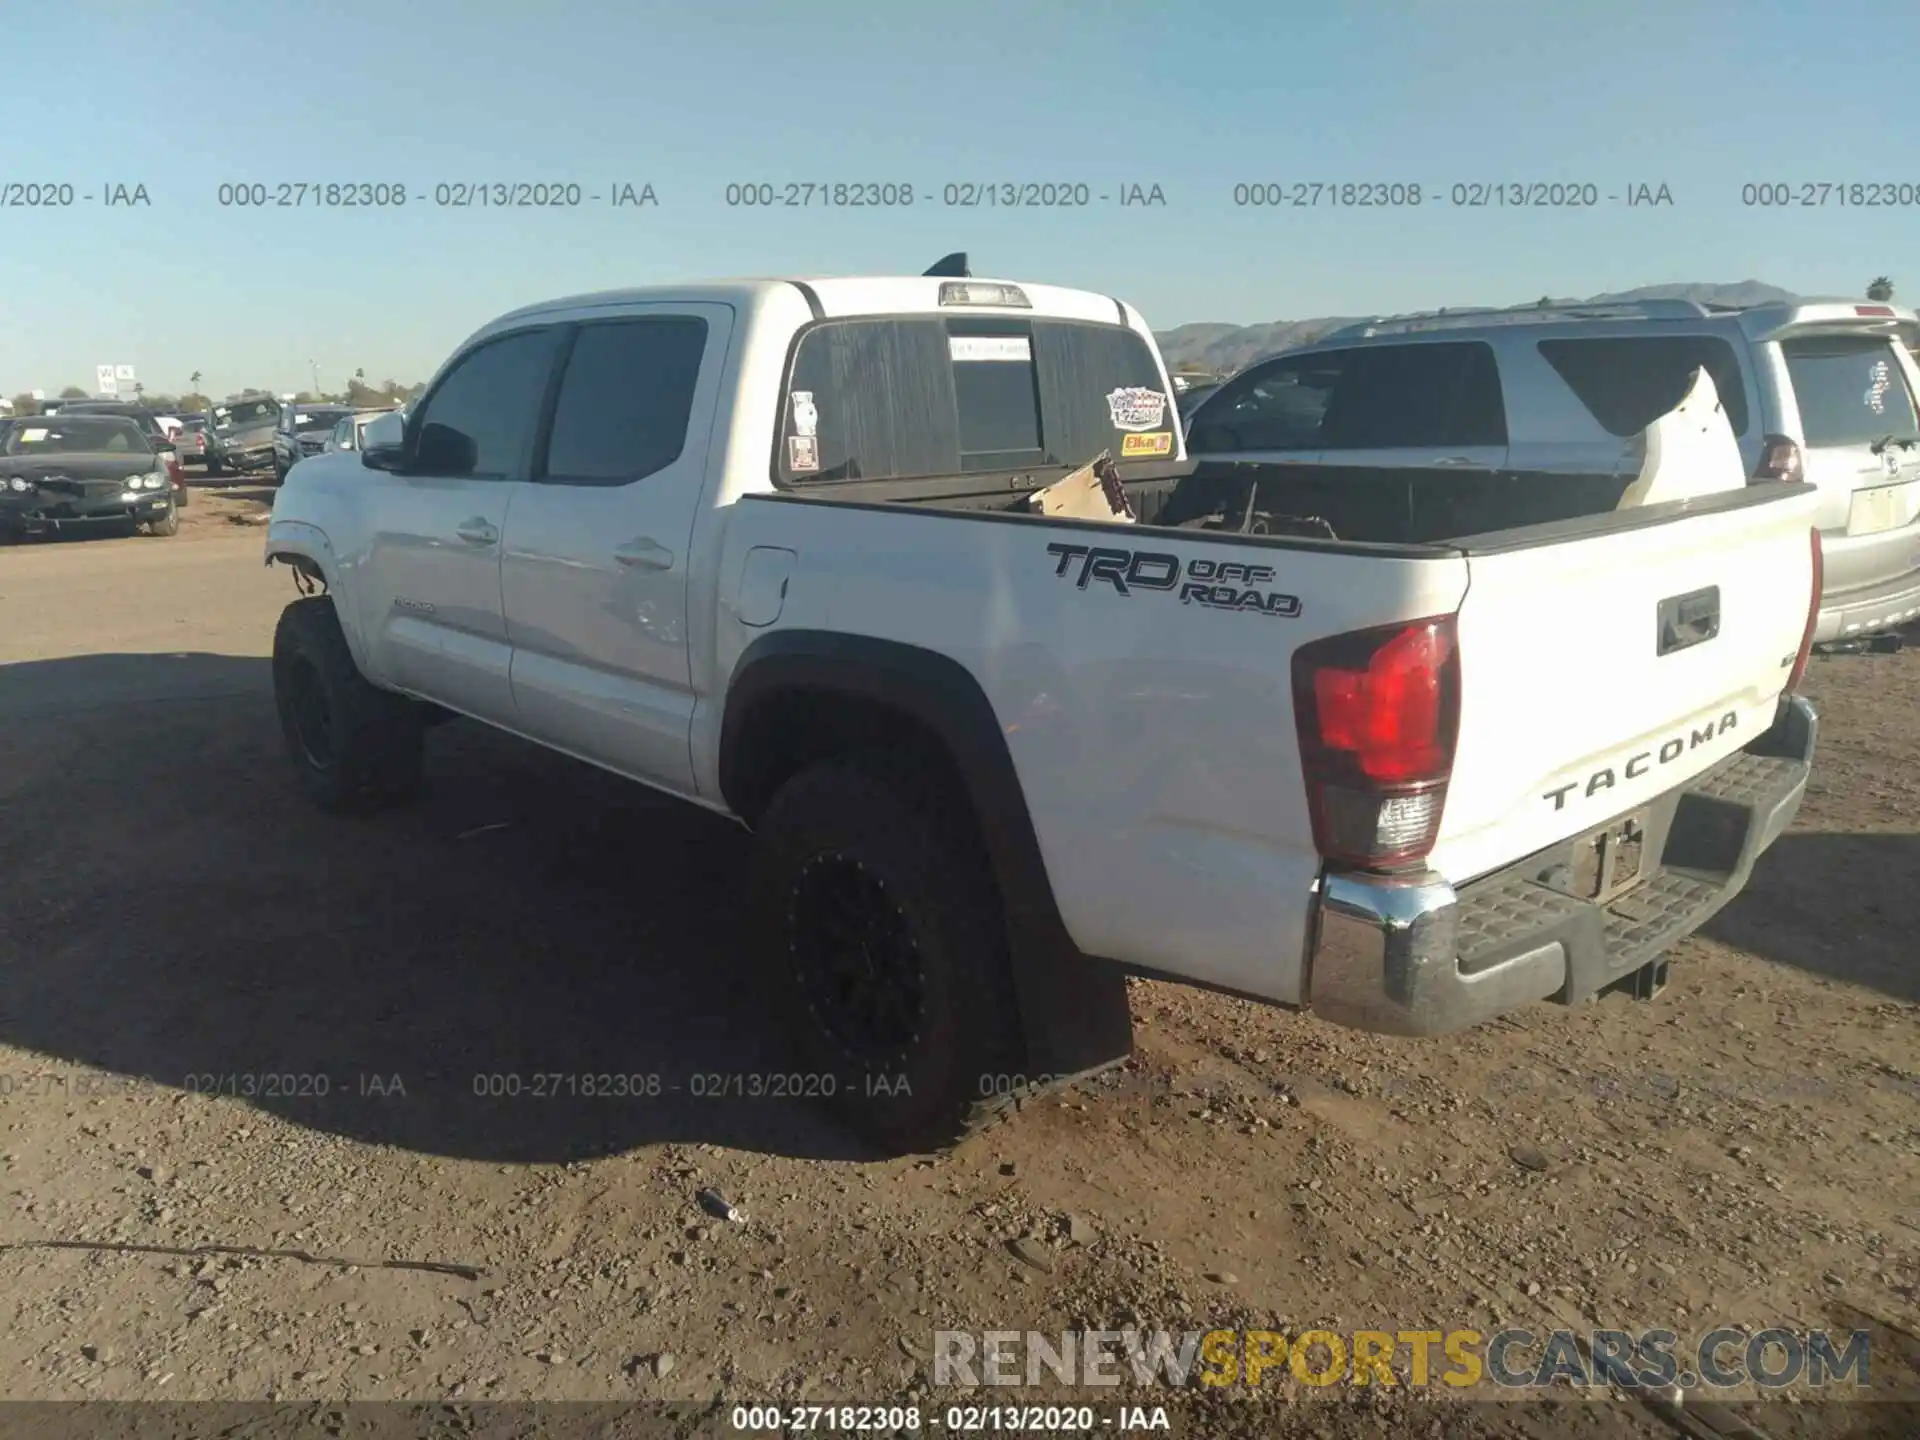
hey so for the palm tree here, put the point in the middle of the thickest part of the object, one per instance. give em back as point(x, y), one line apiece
point(194, 381)
point(1881, 289)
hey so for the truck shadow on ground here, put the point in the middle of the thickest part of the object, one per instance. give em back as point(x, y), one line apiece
point(535, 962)
point(1844, 907)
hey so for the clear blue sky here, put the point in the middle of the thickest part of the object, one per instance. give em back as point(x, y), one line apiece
point(1702, 95)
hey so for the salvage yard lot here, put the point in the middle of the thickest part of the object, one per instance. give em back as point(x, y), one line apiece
point(175, 919)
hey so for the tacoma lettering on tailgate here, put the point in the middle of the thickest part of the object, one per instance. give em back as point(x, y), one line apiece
point(1216, 584)
point(1638, 765)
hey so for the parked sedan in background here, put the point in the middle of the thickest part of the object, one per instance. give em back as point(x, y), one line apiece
point(150, 426)
point(348, 430)
point(190, 440)
point(78, 471)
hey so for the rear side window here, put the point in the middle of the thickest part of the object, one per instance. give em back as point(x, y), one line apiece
point(1850, 389)
point(897, 398)
point(625, 400)
point(1629, 382)
point(1418, 396)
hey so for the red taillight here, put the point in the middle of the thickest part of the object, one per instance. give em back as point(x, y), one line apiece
point(1795, 675)
point(1780, 460)
point(1886, 310)
point(1378, 712)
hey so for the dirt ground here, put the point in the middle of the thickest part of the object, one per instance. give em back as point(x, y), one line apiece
point(226, 1020)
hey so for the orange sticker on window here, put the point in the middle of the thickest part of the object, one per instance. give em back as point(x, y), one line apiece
point(1160, 442)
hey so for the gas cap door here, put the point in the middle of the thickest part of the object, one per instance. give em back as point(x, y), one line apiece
point(763, 585)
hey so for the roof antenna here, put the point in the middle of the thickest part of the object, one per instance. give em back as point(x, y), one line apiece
point(952, 266)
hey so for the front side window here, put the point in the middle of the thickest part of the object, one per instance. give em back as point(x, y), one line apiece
point(625, 400)
point(1276, 406)
point(479, 420)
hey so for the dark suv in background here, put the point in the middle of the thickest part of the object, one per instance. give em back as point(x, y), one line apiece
point(303, 431)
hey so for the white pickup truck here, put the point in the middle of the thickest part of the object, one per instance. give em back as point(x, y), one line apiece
point(770, 546)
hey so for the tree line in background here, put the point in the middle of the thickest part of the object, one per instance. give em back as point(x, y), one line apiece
point(358, 393)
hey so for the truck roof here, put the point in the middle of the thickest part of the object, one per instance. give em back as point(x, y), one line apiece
point(848, 295)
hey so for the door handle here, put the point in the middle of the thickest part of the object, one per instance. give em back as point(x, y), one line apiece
point(645, 553)
point(1454, 460)
point(477, 531)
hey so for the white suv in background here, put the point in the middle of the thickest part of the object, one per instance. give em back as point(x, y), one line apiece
point(1820, 390)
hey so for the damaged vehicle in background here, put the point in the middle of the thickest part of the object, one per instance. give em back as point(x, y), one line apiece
point(1516, 405)
point(82, 472)
point(910, 576)
point(241, 438)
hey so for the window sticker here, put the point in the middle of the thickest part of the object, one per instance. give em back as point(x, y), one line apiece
point(1158, 443)
point(803, 454)
point(1134, 407)
point(990, 347)
point(1876, 396)
point(806, 419)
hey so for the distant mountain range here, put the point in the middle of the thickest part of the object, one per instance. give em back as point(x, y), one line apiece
point(1225, 348)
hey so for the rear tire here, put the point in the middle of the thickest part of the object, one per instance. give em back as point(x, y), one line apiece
point(357, 748)
point(213, 467)
point(874, 854)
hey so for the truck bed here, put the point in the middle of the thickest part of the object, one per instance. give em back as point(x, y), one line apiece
point(1345, 505)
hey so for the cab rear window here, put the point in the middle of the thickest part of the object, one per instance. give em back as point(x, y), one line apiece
point(1851, 390)
point(901, 397)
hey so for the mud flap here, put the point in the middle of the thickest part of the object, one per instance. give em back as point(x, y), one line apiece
point(1073, 1011)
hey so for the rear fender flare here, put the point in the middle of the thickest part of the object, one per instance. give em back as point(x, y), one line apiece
point(1074, 1012)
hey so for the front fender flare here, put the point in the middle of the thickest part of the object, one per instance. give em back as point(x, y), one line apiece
point(307, 546)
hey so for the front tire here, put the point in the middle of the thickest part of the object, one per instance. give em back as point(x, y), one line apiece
point(168, 524)
point(357, 748)
point(882, 931)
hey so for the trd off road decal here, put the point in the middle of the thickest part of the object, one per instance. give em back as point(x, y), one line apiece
point(1216, 584)
point(1135, 407)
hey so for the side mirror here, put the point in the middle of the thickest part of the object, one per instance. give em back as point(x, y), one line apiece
point(383, 446)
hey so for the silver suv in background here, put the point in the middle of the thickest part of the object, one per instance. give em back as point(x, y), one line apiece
point(348, 431)
point(1819, 390)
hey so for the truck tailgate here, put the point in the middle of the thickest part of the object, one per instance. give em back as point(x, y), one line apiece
point(1603, 670)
